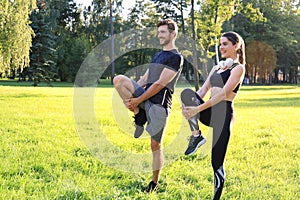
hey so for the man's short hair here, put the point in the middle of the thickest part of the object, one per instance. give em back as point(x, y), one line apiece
point(172, 25)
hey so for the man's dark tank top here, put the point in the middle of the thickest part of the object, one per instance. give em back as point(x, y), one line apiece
point(164, 59)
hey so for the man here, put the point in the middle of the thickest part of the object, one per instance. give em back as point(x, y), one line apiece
point(151, 97)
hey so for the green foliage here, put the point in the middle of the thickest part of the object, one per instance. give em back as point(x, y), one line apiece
point(170, 9)
point(280, 30)
point(43, 52)
point(15, 34)
point(72, 45)
point(73, 52)
point(55, 27)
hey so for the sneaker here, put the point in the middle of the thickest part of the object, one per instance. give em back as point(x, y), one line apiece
point(152, 187)
point(139, 119)
point(138, 131)
point(194, 144)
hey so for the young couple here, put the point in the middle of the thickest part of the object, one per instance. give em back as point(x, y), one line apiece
point(150, 99)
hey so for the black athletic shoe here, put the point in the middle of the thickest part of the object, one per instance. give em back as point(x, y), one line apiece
point(152, 187)
point(140, 120)
point(138, 131)
point(194, 144)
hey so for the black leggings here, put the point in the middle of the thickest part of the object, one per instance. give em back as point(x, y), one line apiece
point(218, 117)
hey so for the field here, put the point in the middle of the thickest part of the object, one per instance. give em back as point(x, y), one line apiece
point(51, 149)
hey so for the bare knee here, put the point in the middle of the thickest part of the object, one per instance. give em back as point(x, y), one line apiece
point(118, 80)
point(155, 146)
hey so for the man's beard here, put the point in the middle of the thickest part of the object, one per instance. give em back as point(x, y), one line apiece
point(165, 42)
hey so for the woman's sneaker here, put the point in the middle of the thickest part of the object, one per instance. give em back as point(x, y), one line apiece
point(194, 144)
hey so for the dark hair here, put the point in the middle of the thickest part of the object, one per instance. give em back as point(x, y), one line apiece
point(237, 39)
point(172, 26)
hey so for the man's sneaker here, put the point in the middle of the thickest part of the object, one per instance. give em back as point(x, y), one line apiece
point(139, 119)
point(152, 187)
point(138, 131)
point(194, 144)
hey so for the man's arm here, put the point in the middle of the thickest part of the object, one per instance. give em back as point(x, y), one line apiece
point(166, 76)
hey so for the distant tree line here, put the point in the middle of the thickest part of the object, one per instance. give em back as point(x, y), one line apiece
point(47, 40)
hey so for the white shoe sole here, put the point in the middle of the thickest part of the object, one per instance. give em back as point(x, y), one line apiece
point(197, 147)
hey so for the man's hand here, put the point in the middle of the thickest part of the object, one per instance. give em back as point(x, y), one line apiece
point(127, 104)
point(133, 103)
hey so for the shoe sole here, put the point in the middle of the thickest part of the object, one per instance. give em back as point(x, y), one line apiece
point(138, 131)
point(197, 147)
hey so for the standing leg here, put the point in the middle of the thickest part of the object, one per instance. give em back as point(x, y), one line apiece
point(158, 159)
point(157, 164)
point(218, 156)
point(221, 136)
point(156, 127)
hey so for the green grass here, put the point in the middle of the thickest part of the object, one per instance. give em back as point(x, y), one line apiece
point(44, 157)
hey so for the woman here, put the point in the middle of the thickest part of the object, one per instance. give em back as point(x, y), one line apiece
point(217, 112)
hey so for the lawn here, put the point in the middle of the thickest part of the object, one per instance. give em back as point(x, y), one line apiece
point(55, 145)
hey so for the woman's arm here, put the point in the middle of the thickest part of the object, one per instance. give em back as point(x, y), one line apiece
point(206, 86)
point(235, 78)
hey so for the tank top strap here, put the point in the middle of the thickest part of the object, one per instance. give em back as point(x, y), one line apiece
point(234, 65)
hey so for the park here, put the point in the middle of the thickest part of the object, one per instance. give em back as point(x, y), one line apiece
point(52, 149)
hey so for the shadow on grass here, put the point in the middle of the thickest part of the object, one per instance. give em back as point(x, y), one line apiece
point(271, 102)
point(268, 87)
point(15, 83)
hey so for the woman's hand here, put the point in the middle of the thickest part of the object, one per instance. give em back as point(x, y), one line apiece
point(189, 111)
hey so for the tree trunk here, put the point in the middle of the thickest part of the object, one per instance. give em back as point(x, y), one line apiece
point(291, 75)
point(284, 75)
point(112, 53)
point(216, 39)
point(182, 19)
point(254, 74)
point(205, 67)
point(276, 75)
point(195, 64)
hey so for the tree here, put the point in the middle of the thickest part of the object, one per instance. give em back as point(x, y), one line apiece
point(15, 35)
point(142, 15)
point(195, 63)
point(74, 50)
point(43, 57)
point(280, 30)
point(167, 8)
point(72, 43)
point(261, 61)
point(210, 19)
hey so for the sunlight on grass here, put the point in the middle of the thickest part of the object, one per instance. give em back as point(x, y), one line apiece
point(44, 157)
